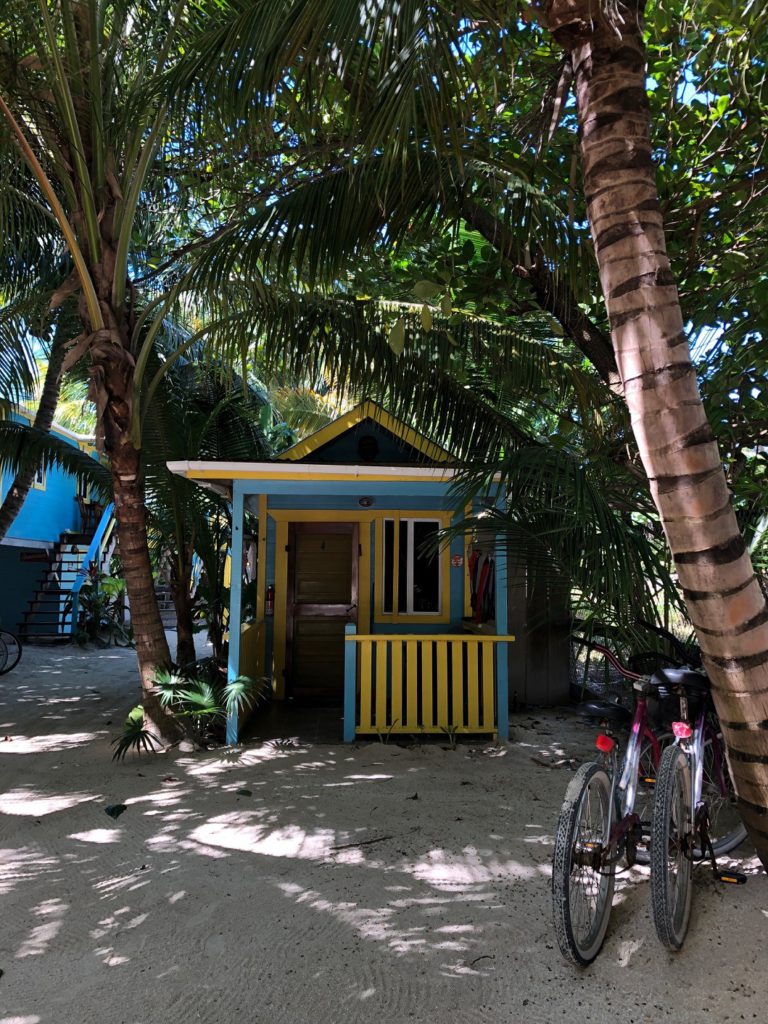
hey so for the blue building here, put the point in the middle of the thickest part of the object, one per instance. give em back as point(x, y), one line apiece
point(45, 545)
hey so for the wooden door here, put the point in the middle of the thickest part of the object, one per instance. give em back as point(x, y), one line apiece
point(322, 599)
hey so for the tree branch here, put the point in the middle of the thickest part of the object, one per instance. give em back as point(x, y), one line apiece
point(552, 295)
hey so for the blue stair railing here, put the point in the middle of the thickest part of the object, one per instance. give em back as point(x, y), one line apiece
point(93, 556)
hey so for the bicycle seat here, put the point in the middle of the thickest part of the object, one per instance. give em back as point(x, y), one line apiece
point(604, 710)
point(688, 678)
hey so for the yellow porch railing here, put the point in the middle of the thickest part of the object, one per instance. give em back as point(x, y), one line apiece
point(251, 659)
point(251, 655)
point(428, 683)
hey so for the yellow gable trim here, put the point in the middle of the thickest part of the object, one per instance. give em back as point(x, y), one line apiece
point(366, 410)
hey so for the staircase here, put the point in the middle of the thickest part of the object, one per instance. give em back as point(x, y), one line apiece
point(49, 615)
point(165, 604)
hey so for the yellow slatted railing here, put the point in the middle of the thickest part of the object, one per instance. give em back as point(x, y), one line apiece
point(434, 683)
point(251, 660)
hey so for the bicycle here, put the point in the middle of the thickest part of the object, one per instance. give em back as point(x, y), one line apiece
point(604, 818)
point(10, 651)
point(693, 802)
point(607, 816)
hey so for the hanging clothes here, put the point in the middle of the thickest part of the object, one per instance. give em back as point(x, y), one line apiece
point(482, 584)
point(472, 564)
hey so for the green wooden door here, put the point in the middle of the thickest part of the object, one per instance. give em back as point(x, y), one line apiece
point(322, 599)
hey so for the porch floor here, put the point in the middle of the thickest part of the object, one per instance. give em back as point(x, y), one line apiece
point(304, 723)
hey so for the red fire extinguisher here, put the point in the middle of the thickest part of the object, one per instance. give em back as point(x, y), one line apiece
point(270, 603)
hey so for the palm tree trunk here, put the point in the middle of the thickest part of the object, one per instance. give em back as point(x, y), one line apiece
point(46, 410)
point(182, 603)
point(678, 449)
point(110, 385)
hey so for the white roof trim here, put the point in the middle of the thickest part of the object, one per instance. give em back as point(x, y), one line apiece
point(237, 470)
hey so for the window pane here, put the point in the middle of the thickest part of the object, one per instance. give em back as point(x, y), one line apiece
point(402, 567)
point(426, 569)
point(389, 563)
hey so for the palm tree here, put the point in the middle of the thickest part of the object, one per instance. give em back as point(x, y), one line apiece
point(68, 89)
point(724, 599)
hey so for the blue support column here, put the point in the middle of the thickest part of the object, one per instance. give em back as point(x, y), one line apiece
point(350, 682)
point(235, 598)
point(502, 649)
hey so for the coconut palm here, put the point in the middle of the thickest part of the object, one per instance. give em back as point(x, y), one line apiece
point(724, 599)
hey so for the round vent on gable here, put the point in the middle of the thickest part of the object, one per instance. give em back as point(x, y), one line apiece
point(367, 448)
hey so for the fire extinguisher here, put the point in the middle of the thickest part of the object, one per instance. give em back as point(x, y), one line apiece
point(270, 603)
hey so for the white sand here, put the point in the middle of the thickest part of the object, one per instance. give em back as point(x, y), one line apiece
point(202, 904)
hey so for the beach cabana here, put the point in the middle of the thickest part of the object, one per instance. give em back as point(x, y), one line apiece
point(355, 604)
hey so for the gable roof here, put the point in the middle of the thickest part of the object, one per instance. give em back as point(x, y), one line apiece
point(366, 410)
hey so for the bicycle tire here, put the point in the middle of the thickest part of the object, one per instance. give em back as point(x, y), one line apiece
point(646, 792)
point(726, 829)
point(577, 888)
point(10, 651)
point(671, 864)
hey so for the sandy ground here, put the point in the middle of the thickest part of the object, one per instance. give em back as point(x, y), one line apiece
point(287, 883)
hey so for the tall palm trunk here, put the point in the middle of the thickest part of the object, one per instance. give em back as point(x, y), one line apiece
point(676, 444)
point(111, 388)
point(149, 634)
point(46, 410)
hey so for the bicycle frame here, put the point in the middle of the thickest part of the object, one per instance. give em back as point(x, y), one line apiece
point(693, 741)
point(640, 732)
point(622, 821)
point(626, 785)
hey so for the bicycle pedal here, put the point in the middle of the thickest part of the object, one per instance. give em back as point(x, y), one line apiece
point(731, 877)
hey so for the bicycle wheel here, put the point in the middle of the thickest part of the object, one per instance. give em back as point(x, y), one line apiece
point(647, 773)
point(582, 887)
point(671, 849)
point(10, 651)
point(726, 829)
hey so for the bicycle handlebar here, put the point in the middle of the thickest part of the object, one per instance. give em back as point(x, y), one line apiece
point(613, 659)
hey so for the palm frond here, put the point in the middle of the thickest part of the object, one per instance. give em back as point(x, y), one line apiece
point(134, 736)
point(559, 517)
point(23, 447)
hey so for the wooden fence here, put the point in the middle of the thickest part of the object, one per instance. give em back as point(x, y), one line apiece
point(428, 683)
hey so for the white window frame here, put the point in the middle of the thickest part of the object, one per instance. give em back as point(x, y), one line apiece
point(409, 562)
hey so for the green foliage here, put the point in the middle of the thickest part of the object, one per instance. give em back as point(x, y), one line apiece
point(451, 734)
point(23, 446)
point(101, 611)
point(134, 736)
point(204, 698)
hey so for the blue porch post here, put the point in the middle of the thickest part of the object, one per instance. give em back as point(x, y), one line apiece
point(502, 648)
point(235, 598)
point(350, 681)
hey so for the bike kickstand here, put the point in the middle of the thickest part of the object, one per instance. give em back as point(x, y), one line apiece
point(707, 850)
